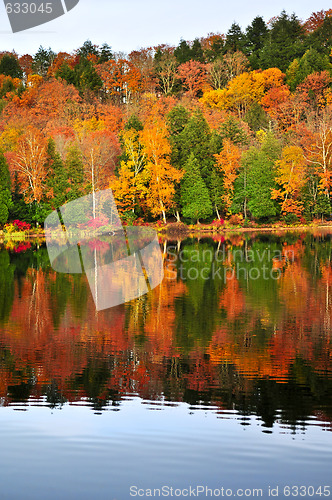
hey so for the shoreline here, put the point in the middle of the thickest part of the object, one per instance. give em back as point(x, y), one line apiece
point(186, 231)
point(182, 230)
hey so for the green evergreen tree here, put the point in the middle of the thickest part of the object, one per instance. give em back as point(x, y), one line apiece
point(232, 129)
point(86, 77)
point(322, 206)
point(256, 117)
point(311, 62)
point(197, 53)
point(254, 40)
point(321, 38)
point(177, 119)
point(9, 66)
point(234, 39)
point(57, 176)
point(67, 74)
point(195, 138)
point(195, 199)
point(106, 53)
point(134, 123)
point(75, 172)
point(5, 194)
point(284, 43)
point(83, 75)
point(259, 166)
point(182, 52)
point(42, 61)
point(88, 49)
point(255, 36)
point(19, 209)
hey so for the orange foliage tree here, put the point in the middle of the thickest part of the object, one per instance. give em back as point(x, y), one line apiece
point(120, 78)
point(228, 162)
point(143, 61)
point(193, 76)
point(316, 20)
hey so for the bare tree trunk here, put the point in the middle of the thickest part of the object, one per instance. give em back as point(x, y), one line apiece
point(93, 186)
point(177, 215)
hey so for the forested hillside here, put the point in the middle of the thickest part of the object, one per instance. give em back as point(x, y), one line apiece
point(228, 125)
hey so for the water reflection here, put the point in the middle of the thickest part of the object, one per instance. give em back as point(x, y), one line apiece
point(240, 327)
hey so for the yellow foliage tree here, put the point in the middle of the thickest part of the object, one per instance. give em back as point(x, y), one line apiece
point(128, 188)
point(162, 177)
point(244, 90)
point(291, 179)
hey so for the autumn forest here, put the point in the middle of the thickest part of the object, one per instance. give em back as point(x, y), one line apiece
point(227, 126)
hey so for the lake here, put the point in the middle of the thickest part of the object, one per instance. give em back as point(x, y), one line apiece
point(216, 383)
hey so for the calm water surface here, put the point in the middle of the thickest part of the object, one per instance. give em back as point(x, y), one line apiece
point(221, 377)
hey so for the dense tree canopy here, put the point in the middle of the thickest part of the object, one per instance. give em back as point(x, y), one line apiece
point(227, 124)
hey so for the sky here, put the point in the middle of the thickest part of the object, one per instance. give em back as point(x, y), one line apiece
point(131, 24)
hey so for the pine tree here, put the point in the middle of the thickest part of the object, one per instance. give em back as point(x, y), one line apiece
point(197, 53)
point(5, 194)
point(311, 62)
point(195, 199)
point(234, 39)
point(106, 53)
point(284, 42)
point(182, 52)
point(42, 61)
point(57, 176)
point(255, 36)
point(9, 66)
point(75, 172)
point(321, 38)
point(260, 167)
point(196, 138)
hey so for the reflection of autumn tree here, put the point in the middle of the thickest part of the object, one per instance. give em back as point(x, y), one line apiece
point(160, 316)
point(232, 299)
point(6, 286)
